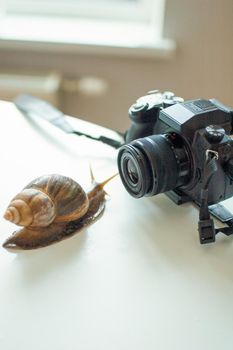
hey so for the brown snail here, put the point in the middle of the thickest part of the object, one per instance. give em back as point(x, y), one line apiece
point(52, 208)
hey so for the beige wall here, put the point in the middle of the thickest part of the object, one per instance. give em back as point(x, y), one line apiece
point(202, 67)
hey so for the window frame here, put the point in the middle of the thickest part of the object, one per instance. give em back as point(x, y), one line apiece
point(124, 38)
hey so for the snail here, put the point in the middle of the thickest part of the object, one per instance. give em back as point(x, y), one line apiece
point(52, 208)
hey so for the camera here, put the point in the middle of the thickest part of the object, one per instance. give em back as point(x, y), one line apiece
point(181, 148)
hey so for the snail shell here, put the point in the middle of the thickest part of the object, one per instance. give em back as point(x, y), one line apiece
point(51, 208)
point(47, 199)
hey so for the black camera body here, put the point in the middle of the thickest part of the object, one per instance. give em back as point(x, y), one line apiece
point(168, 145)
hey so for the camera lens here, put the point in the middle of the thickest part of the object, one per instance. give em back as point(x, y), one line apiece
point(154, 164)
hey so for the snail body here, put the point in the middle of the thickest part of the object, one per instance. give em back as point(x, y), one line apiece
point(51, 208)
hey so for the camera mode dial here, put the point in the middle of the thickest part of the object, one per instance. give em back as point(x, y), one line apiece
point(138, 107)
point(147, 107)
point(144, 113)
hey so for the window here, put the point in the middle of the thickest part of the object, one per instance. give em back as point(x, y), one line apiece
point(131, 24)
point(130, 10)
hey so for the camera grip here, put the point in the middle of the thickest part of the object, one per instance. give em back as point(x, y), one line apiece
point(143, 121)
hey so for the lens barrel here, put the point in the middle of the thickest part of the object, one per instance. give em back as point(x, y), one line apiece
point(154, 164)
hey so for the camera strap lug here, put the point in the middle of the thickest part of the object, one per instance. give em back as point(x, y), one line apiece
point(210, 153)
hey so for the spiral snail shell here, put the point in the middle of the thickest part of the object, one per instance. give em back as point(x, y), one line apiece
point(51, 208)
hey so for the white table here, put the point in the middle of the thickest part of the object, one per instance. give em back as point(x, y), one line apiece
point(136, 279)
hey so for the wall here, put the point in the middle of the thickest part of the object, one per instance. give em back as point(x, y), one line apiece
point(202, 67)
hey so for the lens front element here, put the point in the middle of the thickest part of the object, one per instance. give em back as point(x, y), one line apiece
point(132, 172)
point(133, 169)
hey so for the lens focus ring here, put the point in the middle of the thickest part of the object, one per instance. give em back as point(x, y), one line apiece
point(150, 165)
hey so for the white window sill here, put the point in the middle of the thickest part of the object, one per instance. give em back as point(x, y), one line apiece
point(82, 36)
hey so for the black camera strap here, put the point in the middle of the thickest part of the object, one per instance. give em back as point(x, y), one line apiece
point(207, 231)
point(33, 106)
